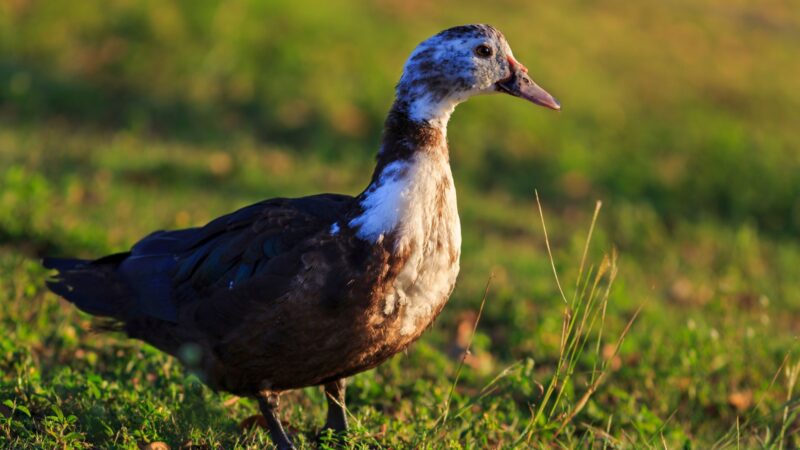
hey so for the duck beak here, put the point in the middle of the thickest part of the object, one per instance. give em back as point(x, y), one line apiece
point(520, 84)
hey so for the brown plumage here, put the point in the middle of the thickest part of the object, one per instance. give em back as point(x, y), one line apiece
point(289, 293)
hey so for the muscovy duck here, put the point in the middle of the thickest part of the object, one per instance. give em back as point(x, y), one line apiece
point(289, 293)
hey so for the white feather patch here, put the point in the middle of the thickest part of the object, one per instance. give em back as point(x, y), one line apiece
point(426, 109)
point(405, 200)
point(383, 203)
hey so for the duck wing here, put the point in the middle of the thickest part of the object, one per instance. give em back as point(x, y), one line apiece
point(169, 270)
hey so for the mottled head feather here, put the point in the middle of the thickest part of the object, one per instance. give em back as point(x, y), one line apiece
point(444, 70)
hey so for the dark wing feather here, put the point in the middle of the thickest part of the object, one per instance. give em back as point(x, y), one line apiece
point(167, 269)
point(242, 245)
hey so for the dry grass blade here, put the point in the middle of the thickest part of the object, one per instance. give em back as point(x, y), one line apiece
point(584, 317)
point(547, 244)
point(792, 374)
point(599, 380)
point(596, 214)
point(725, 440)
point(602, 434)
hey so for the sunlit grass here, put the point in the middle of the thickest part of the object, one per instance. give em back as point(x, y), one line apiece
point(120, 118)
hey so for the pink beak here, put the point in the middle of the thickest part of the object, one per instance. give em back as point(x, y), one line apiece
point(520, 84)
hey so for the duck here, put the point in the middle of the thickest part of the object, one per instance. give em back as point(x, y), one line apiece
point(289, 293)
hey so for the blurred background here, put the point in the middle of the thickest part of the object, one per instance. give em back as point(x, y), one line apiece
point(121, 117)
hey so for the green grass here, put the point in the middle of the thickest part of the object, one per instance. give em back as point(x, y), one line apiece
point(124, 117)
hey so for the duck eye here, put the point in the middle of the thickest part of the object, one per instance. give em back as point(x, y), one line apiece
point(483, 50)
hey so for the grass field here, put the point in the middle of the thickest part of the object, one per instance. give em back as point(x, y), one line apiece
point(119, 118)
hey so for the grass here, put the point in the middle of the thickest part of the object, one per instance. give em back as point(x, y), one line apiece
point(118, 119)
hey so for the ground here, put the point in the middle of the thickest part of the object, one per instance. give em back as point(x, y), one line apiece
point(119, 119)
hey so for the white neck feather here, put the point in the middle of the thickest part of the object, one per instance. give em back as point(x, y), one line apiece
point(404, 198)
point(436, 113)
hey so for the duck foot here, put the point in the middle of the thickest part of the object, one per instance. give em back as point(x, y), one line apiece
point(268, 402)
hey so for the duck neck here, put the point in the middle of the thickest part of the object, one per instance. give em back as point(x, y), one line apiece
point(412, 178)
point(405, 136)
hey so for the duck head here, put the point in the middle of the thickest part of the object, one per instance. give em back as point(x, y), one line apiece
point(458, 63)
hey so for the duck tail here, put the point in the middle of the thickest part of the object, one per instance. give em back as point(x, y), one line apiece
point(92, 286)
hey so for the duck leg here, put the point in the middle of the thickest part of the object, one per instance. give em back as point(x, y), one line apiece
point(337, 417)
point(268, 402)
